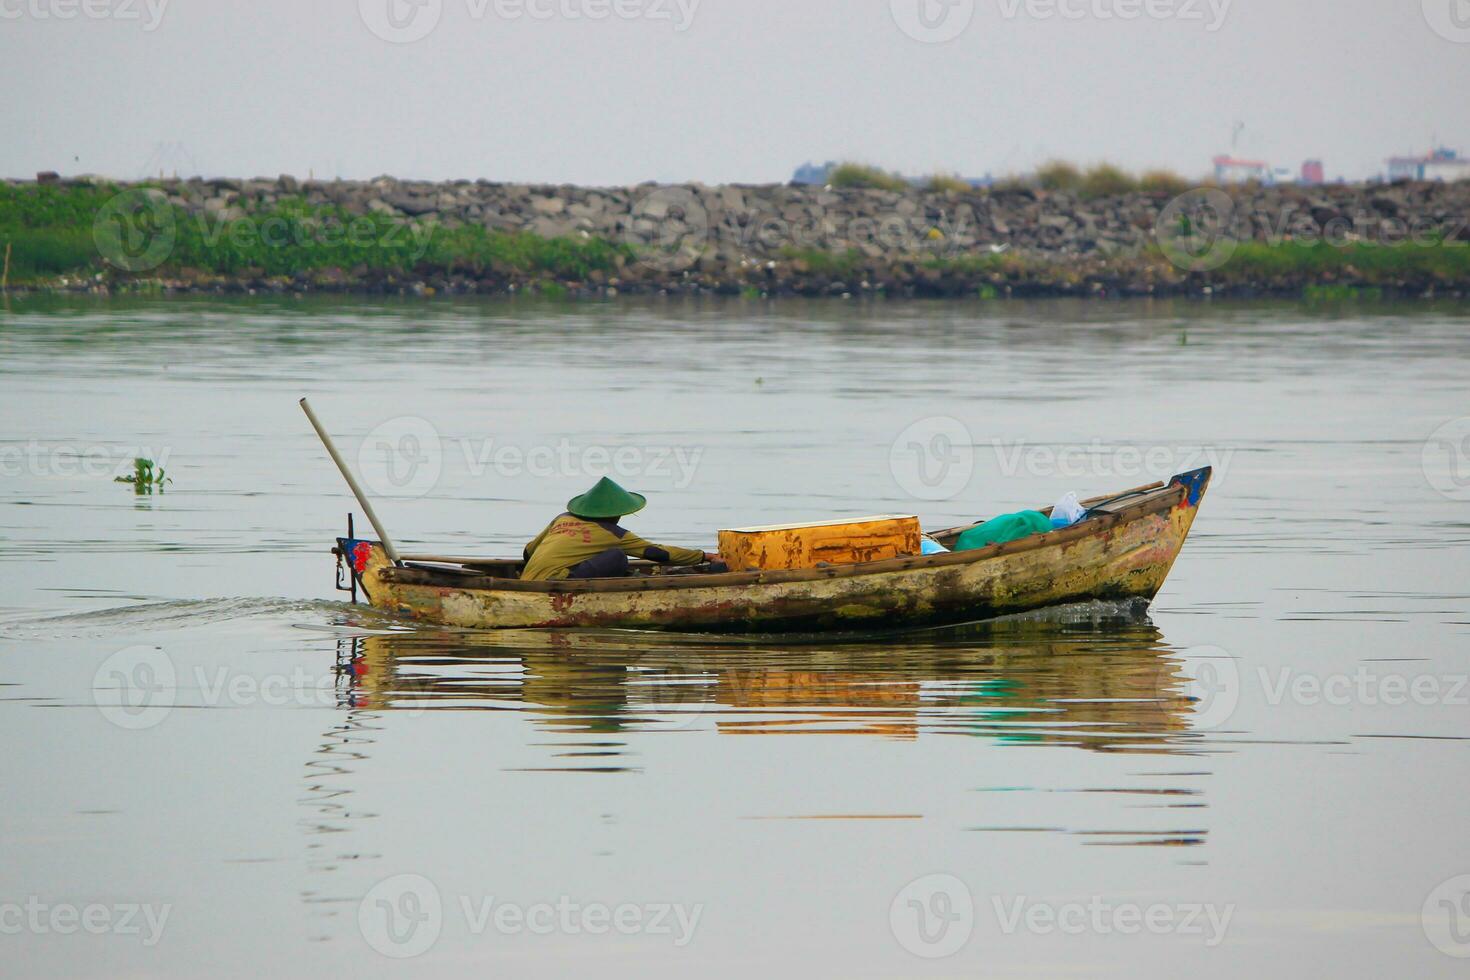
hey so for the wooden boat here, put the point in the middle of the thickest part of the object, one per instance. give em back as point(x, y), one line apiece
point(1123, 549)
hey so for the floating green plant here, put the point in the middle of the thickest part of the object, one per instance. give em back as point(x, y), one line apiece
point(146, 477)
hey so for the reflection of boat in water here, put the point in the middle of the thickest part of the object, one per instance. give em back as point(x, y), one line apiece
point(556, 704)
point(1060, 680)
point(1124, 548)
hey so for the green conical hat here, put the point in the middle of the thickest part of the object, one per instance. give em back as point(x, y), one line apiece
point(607, 499)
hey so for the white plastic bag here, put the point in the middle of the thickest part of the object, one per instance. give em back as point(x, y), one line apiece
point(1067, 512)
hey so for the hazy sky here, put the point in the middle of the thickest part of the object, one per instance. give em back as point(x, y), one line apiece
point(620, 91)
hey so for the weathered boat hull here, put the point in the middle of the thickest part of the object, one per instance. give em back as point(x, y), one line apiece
point(1126, 552)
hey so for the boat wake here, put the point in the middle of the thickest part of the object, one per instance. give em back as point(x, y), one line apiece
point(175, 614)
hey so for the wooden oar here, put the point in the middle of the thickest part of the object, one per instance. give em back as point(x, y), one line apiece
point(469, 562)
point(362, 500)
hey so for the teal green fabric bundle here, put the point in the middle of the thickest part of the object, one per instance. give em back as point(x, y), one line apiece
point(1007, 527)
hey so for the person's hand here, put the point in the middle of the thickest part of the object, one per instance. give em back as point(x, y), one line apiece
point(712, 556)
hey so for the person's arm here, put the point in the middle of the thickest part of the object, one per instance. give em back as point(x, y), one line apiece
point(636, 547)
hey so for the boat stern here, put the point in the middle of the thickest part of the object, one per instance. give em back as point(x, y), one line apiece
point(362, 561)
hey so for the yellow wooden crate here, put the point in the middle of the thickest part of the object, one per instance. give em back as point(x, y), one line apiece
point(842, 542)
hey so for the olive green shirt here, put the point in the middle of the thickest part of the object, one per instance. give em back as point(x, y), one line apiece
point(569, 540)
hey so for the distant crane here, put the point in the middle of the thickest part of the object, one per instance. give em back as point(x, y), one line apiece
point(171, 157)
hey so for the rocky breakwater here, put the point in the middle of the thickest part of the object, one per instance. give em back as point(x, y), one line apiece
point(807, 240)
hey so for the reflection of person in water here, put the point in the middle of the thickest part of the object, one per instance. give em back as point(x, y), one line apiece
point(1118, 691)
point(574, 696)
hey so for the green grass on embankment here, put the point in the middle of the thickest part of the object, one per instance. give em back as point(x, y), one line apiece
point(1315, 271)
point(52, 232)
point(48, 229)
point(1359, 262)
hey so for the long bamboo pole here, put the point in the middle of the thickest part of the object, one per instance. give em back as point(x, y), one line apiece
point(5, 276)
point(362, 500)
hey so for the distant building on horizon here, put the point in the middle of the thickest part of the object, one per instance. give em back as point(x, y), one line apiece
point(1229, 170)
point(1442, 164)
point(812, 173)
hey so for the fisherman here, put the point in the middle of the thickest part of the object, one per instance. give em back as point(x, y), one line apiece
point(586, 541)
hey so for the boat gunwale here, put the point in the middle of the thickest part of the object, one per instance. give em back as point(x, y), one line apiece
point(1163, 499)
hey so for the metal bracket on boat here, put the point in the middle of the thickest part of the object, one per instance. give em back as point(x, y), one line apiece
point(345, 572)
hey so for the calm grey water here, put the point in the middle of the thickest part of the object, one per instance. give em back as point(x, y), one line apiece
point(217, 767)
